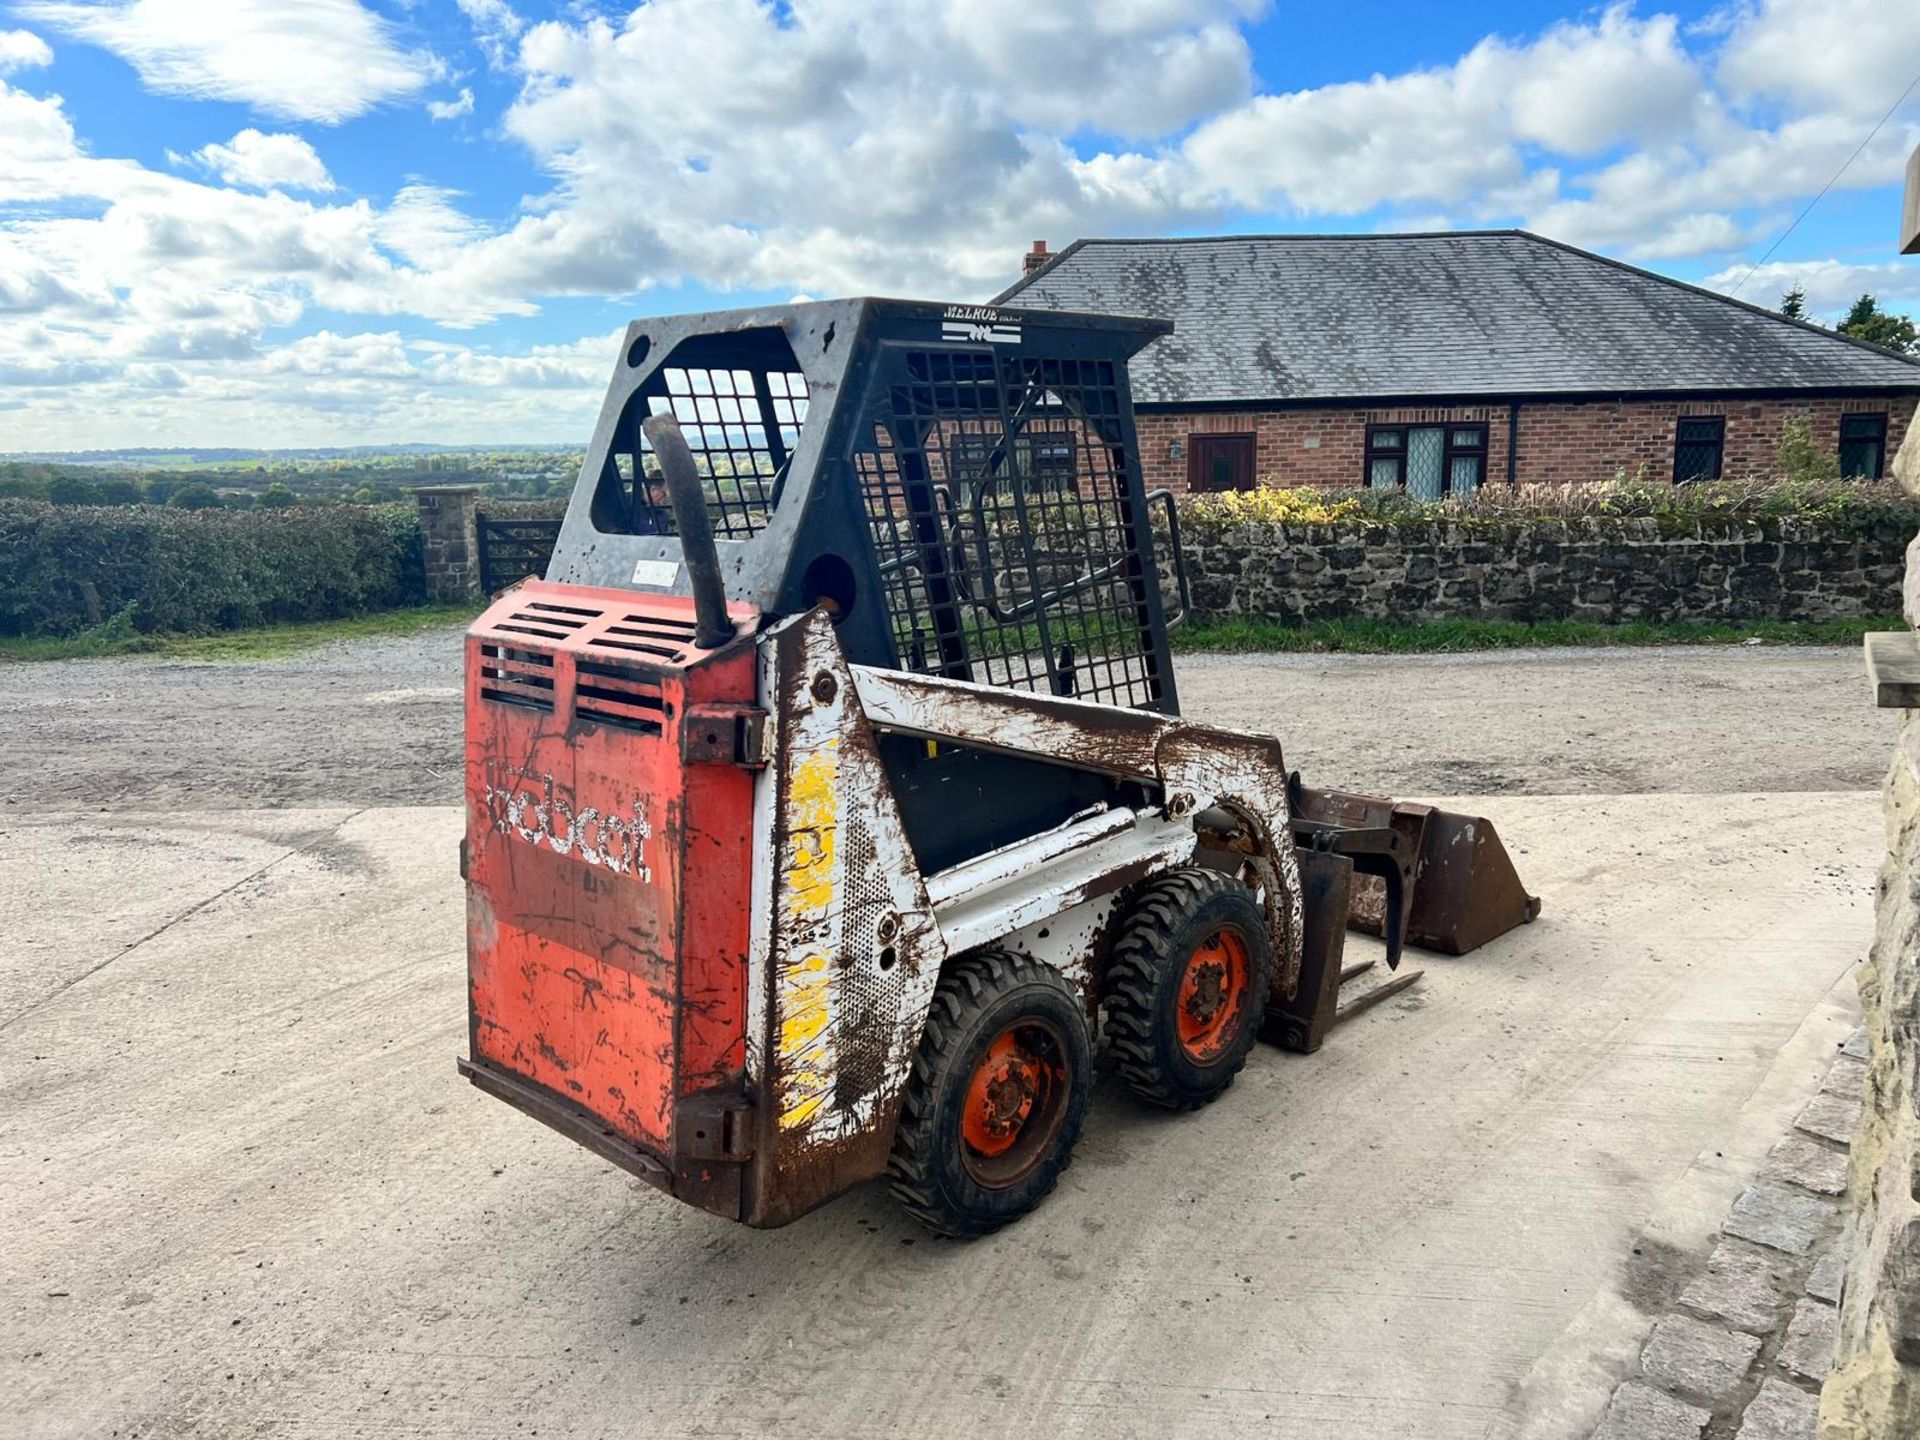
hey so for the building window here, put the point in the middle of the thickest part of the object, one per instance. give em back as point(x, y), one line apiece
point(1220, 462)
point(1047, 459)
point(1863, 446)
point(969, 465)
point(1699, 441)
point(1044, 460)
point(1428, 461)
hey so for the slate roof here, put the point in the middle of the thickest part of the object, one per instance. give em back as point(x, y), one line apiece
point(1299, 317)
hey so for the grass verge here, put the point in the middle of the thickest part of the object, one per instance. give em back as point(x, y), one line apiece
point(270, 642)
point(1359, 637)
point(1437, 637)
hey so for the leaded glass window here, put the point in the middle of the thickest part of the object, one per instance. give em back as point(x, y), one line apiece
point(1428, 460)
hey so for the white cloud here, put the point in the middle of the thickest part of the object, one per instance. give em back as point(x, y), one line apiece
point(1453, 134)
point(581, 365)
point(320, 60)
point(321, 388)
point(495, 28)
point(1850, 56)
point(1831, 285)
point(326, 354)
point(1701, 233)
point(1581, 89)
point(425, 226)
point(155, 266)
point(41, 159)
point(266, 162)
point(804, 173)
point(452, 109)
point(1064, 67)
point(854, 147)
point(1655, 201)
point(21, 49)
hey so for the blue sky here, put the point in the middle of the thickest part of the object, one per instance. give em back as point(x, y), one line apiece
point(303, 222)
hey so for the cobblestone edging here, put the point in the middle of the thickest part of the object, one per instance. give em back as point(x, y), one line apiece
point(1741, 1353)
point(1581, 569)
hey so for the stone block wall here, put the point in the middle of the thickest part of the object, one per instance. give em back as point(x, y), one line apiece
point(1874, 1387)
point(449, 541)
point(1554, 442)
point(1602, 569)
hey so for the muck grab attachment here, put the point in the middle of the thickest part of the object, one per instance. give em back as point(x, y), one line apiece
point(830, 795)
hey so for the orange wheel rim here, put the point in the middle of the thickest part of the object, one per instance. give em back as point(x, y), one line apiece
point(1015, 1101)
point(1213, 995)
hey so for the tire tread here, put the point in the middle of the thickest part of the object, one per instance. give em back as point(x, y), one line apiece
point(967, 987)
point(1142, 957)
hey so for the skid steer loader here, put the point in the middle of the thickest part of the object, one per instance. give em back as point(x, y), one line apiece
point(830, 793)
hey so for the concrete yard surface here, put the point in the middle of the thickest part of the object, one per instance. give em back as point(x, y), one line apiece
point(245, 1194)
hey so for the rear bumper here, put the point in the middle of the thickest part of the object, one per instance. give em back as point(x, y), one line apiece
point(713, 1185)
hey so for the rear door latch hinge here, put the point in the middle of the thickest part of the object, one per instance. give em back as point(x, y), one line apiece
point(714, 1126)
point(724, 735)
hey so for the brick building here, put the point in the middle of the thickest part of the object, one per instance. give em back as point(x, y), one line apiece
point(1446, 361)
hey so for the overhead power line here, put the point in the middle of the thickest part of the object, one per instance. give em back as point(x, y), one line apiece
point(1828, 186)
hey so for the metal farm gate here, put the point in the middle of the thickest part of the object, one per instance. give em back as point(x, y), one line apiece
point(511, 550)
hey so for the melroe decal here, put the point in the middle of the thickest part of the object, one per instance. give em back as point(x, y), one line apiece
point(978, 323)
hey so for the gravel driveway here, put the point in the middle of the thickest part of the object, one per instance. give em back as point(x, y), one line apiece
point(377, 722)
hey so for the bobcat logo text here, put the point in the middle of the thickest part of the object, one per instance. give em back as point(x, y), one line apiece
point(540, 813)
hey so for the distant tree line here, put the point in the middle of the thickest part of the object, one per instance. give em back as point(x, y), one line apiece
point(85, 486)
point(516, 475)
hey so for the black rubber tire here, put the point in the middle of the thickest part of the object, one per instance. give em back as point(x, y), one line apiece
point(1169, 918)
point(978, 998)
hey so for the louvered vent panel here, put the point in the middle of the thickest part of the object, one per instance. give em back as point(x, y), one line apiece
point(608, 693)
point(516, 677)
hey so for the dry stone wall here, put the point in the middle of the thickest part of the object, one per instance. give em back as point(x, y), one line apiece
point(1609, 570)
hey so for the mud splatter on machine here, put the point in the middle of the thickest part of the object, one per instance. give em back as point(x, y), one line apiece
point(829, 795)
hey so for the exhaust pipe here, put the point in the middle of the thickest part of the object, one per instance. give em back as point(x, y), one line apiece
point(712, 628)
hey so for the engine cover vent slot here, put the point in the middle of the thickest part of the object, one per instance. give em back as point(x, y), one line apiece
point(668, 623)
point(609, 694)
point(545, 627)
point(516, 677)
point(658, 635)
point(563, 610)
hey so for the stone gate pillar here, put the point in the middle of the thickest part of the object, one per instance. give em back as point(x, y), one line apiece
point(450, 542)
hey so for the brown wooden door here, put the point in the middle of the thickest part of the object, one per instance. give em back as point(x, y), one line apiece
point(1220, 462)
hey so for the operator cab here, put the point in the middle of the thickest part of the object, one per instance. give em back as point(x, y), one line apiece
point(958, 486)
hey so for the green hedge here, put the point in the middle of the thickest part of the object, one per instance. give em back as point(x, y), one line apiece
point(65, 569)
point(1846, 505)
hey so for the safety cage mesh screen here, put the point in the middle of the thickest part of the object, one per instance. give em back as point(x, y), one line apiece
point(741, 423)
point(741, 426)
point(997, 492)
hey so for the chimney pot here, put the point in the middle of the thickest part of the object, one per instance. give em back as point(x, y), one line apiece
point(1036, 258)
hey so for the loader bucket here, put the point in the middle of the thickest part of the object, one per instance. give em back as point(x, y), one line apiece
point(1465, 889)
point(1456, 890)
